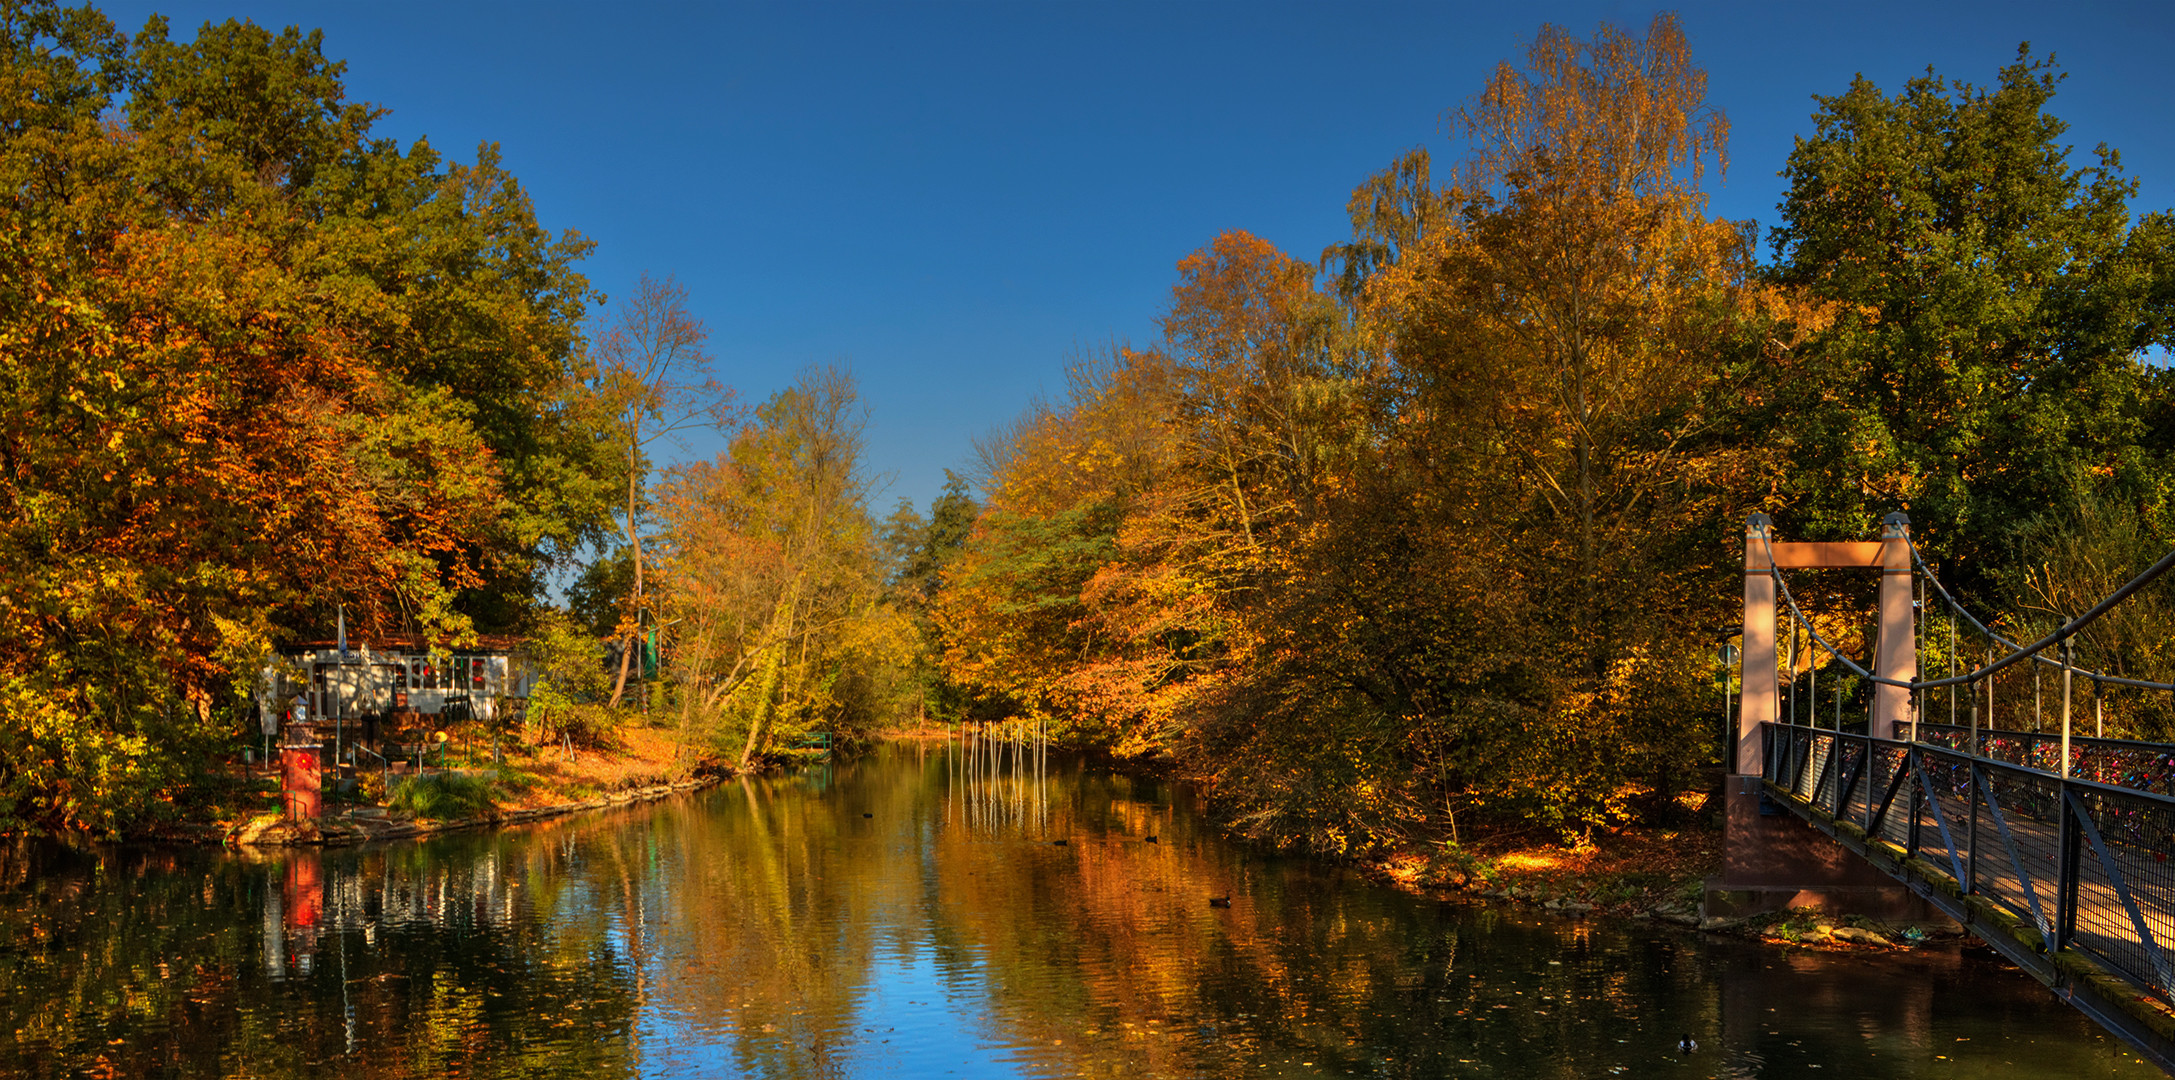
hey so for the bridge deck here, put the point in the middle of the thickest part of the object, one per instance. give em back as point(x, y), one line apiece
point(2068, 878)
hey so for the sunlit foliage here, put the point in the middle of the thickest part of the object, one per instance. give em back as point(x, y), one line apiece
point(1439, 539)
point(767, 566)
point(254, 364)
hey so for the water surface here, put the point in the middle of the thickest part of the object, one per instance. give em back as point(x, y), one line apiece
point(913, 914)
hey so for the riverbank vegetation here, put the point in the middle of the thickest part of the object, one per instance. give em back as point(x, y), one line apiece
point(259, 363)
point(1436, 536)
point(1425, 539)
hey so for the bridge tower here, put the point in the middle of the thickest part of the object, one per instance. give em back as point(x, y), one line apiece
point(1898, 646)
point(1771, 859)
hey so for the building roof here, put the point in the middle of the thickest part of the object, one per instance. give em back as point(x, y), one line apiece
point(413, 643)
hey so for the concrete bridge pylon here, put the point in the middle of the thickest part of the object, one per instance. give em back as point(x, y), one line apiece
point(1772, 859)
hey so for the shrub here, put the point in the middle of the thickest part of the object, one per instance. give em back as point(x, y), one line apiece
point(443, 795)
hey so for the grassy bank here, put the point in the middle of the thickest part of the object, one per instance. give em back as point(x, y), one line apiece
point(478, 782)
point(1643, 872)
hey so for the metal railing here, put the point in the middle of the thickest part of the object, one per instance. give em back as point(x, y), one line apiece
point(2124, 763)
point(2084, 863)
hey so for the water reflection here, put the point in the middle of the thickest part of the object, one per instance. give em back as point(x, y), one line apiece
point(917, 914)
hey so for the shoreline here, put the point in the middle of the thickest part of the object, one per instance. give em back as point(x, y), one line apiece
point(351, 829)
point(1617, 879)
point(532, 782)
point(1648, 874)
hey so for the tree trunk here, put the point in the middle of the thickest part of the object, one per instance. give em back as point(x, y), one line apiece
point(634, 549)
point(766, 703)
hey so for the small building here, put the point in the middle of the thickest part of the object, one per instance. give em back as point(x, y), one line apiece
point(371, 680)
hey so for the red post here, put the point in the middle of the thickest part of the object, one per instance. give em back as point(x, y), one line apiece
point(302, 891)
point(302, 782)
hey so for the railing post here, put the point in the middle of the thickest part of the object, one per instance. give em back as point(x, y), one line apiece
point(1756, 701)
point(1898, 657)
point(2068, 666)
point(1990, 719)
point(1915, 767)
point(2065, 890)
point(1832, 775)
point(1952, 668)
point(1971, 859)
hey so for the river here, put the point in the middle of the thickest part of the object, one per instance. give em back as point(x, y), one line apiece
point(913, 914)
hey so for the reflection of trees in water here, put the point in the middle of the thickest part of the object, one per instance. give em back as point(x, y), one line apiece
point(408, 961)
point(759, 929)
point(771, 950)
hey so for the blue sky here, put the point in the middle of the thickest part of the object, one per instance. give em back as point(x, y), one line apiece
point(953, 199)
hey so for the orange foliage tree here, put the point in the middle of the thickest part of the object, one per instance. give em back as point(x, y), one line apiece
point(767, 571)
point(223, 406)
point(1435, 536)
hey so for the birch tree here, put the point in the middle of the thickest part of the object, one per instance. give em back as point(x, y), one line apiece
point(652, 368)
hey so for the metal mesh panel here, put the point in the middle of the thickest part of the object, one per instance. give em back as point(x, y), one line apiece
point(1889, 800)
point(2017, 865)
point(2141, 766)
point(1850, 781)
point(2122, 910)
point(1944, 818)
point(1812, 757)
point(2092, 865)
point(1828, 776)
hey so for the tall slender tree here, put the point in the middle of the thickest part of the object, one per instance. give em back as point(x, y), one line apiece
point(653, 371)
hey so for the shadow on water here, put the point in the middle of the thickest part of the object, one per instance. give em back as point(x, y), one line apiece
point(914, 913)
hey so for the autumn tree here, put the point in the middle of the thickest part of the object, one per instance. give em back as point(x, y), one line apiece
point(1012, 619)
point(770, 578)
point(1572, 349)
point(918, 555)
point(470, 309)
point(256, 365)
point(655, 376)
point(1427, 538)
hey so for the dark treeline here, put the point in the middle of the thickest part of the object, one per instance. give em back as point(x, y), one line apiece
point(1438, 531)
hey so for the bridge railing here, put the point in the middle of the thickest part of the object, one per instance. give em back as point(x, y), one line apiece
point(2084, 863)
point(2126, 763)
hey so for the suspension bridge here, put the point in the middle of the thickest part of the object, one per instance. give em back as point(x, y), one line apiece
point(2050, 845)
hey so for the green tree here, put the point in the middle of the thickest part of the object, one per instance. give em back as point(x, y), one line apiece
point(918, 549)
point(254, 365)
point(1992, 365)
point(917, 553)
point(598, 594)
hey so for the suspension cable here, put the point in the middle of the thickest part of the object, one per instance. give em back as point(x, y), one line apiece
point(2067, 631)
point(1813, 631)
point(2017, 652)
